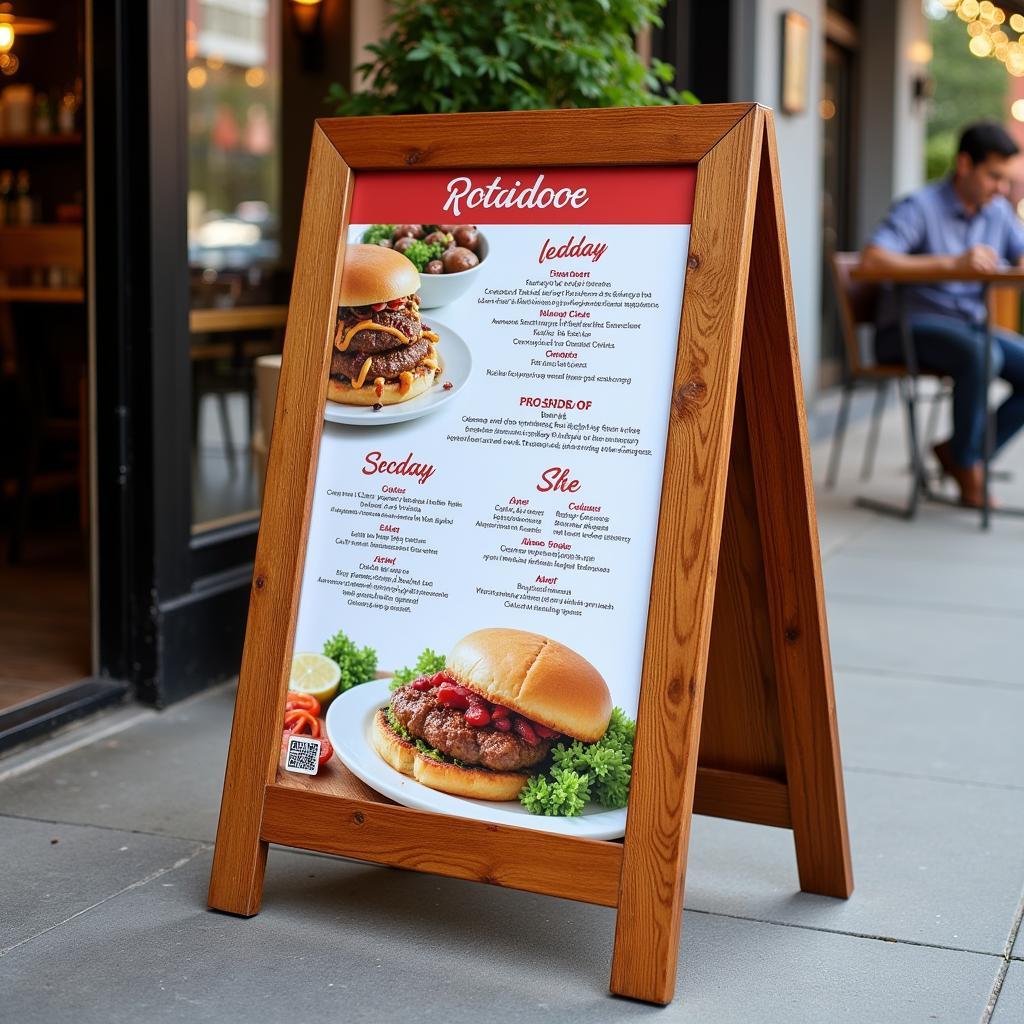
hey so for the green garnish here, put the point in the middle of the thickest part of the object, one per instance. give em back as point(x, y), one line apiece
point(376, 233)
point(585, 771)
point(420, 254)
point(357, 666)
point(427, 664)
point(561, 793)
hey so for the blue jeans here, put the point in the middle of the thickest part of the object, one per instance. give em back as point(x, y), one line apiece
point(955, 348)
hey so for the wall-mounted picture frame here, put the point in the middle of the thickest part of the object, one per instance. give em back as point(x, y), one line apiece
point(796, 62)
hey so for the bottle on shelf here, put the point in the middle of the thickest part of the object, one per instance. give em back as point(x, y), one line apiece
point(24, 207)
point(6, 197)
point(43, 115)
point(66, 113)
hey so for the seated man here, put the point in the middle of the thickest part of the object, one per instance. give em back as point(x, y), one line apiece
point(963, 222)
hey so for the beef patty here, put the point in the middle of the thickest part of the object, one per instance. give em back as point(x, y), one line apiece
point(384, 364)
point(371, 341)
point(447, 730)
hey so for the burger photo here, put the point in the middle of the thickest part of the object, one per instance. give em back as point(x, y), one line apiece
point(383, 354)
point(485, 723)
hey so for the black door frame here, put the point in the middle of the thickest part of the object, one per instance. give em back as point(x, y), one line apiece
point(172, 605)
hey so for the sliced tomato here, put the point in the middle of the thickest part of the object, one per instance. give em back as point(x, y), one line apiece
point(326, 751)
point(304, 701)
point(302, 722)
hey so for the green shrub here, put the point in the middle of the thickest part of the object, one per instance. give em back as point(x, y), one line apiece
point(510, 55)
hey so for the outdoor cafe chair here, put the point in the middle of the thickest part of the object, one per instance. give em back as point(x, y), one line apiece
point(856, 303)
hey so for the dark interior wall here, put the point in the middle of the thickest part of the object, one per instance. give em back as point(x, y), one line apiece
point(303, 89)
point(695, 38)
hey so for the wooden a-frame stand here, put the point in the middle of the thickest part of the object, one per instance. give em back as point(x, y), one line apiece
point(736, 715)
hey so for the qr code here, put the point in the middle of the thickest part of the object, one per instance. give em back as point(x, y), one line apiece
point(303, 755)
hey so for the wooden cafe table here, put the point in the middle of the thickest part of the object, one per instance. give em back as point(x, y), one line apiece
point(1004, 278)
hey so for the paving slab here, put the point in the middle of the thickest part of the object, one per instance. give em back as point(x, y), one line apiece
point(959, 584)
point(163, 775)
point(840, 523)
point(52, 872)
point(933, 862)
point(341, 941)
point(867, 635)
point(951, 731)
point(1010, 1004)
point(944, 536)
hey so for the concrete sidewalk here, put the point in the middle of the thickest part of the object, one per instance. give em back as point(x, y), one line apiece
point(106, 833)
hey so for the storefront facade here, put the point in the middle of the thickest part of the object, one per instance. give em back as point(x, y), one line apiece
point(198, 116)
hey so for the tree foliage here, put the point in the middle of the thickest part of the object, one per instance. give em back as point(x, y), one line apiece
point(967, 88)
point(441, 57)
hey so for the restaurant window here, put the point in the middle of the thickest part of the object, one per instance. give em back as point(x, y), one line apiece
point(233, 216)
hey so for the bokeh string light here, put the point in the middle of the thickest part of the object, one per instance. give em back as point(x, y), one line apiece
point(986, 28)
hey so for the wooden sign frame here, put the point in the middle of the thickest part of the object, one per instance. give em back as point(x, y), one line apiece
point(736, 715)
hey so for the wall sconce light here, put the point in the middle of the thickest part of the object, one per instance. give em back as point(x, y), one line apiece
point(307, 19)
point(10, 28)
point(923, 88)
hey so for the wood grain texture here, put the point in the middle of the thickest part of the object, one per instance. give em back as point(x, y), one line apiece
point(385, 833)
point(239, 862)
point(741, 796)
point(686, 559)
point(533, 138)
point(780, 453)
point(740, 731)
point(724, 794)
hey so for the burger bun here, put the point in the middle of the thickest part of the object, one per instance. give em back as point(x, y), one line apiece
point(540, 678)
point(372, 274)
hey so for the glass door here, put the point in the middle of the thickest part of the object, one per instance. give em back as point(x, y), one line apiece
point(237, 311)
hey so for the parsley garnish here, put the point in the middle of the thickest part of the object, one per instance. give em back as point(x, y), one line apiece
point(580, 772)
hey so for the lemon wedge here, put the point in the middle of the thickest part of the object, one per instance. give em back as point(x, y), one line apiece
point(315, 674)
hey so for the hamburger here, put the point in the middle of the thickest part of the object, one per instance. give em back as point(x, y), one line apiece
point(383, 354)
point(482, 726)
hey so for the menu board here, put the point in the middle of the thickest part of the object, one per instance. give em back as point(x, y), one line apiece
point(476, 585)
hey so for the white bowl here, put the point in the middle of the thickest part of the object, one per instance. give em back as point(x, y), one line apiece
point(440, 289)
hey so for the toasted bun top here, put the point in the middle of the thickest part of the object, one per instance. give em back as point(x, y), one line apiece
point(541, 678)
point(372, 273)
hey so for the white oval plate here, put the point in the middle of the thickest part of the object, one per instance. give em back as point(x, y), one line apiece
point(349, 721)
point(456, 366)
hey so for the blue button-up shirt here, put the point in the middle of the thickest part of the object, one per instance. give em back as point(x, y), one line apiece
point(932, 221)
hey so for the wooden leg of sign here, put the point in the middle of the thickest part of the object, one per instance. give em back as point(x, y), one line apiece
point(770, 372)
point(240, 856)
point(683, 586)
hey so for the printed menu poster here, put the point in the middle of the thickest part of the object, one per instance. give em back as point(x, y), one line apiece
point(477, 577)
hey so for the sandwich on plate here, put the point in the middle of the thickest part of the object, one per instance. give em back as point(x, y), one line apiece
point(383, 354)
point(482, 726)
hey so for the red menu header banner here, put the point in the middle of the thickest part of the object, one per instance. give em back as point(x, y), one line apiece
point(544, 195)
